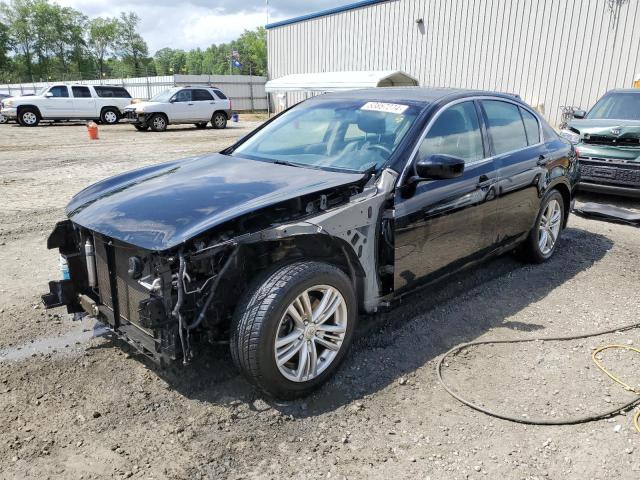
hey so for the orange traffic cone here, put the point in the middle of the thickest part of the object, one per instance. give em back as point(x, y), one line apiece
point(92, 128)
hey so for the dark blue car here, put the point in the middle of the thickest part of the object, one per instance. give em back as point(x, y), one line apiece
point(336, 206)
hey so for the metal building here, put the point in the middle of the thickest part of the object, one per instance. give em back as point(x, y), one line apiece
point(552, 53)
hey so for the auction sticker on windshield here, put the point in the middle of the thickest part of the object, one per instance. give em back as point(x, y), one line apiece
point(384, 107)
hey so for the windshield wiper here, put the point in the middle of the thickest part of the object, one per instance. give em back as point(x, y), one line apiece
point(287, 163)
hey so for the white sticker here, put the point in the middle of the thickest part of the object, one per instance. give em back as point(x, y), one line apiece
point(384, 107)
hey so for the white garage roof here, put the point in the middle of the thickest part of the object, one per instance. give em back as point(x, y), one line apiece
point(336, 81)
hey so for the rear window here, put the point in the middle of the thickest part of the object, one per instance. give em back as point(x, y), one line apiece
point(81, 92)
point(111, 92)
point(505, 126)
point(201, 95)
point(219, 94)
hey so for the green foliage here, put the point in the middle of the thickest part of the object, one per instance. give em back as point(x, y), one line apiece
point(40, 40)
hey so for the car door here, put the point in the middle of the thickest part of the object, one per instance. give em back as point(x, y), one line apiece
point(515, 138)
point(204, 104)
point(84, 105)
point(58, 103)
point(181, 108)
point(441, 225)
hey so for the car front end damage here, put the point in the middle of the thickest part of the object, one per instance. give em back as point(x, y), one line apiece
point(609, 156)
point(167, 303)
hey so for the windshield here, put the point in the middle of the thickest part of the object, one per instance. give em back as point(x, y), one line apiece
point(42, 91)
point(351, 135)
point(617, 106)
point(163, 96)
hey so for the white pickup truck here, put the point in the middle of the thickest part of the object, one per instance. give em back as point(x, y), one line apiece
point(68, 102)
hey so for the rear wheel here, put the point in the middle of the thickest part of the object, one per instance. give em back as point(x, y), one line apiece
point(29, 117)
point(158, 122)
point(293, 328)
point(219, 120)
point(110, 116)
point(201, 125)
point(543, 238)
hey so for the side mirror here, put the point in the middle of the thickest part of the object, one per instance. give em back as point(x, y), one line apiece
point(579, 114)
point(48, 94)
point(439, 167)
point(172, 100)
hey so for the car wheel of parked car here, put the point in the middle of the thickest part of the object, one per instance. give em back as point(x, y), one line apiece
point(110, 116)
point(293, 327)
point(141, 127)
point(158, 122)
point(3, 119)
point(29, 117)
point(201, 125)
point(219, 120)
point(543, 238)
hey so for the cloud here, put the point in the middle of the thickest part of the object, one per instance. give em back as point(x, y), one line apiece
point(198, 23)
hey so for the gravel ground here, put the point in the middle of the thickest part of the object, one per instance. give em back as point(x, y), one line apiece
point(74, 404)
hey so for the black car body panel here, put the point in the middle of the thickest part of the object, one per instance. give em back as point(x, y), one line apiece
point(176, 244)
point(161, 207)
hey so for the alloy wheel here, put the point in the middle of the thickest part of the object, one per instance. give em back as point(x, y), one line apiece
point(159, 123)
point(110, 117)
point(311, 333)
point(549, 227)
point(29, 118)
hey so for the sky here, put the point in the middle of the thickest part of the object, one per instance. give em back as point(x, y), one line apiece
point(199, 23)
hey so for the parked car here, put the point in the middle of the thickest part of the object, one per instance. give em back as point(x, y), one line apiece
point(3, 119)
point(197, 105)
point(607, 140)
point(343, 203)
point(68, 102)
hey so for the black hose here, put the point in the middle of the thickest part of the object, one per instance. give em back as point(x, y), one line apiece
point(535, 421)
point(203, 311)
point(176, 310)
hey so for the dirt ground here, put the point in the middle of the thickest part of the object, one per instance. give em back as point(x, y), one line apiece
point(74, 404)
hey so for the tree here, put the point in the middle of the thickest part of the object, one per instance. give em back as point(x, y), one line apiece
point(252, 46)
point(130, 44)
point(6, 45)
point(102, 41)
point(18, 17)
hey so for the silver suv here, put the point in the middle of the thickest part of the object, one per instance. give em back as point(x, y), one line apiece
point(197, 105)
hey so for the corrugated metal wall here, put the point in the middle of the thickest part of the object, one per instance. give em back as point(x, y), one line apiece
point(246, 92)
point(551, 52)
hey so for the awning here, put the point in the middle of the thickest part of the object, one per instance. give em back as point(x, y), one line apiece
point(337, 81)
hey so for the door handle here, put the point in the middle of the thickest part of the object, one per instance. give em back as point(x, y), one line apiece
point(484, 181)
point(542, 160)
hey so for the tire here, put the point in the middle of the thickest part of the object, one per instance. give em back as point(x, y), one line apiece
point(141, 127)
point(158, 122)
point(535, 248)
point(201, 125)
point(3, 119)
point(219, 120)
point(262, 317)
point(110, 116)
point(29, 117)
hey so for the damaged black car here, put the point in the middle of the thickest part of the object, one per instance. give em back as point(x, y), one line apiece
point(340, 205)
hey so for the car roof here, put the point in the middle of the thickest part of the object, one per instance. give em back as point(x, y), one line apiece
point(419, 95)
point(623, 90)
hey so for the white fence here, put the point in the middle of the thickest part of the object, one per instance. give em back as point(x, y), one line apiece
point(246, 92)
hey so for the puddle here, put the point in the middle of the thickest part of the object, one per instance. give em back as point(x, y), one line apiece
point(66, 344)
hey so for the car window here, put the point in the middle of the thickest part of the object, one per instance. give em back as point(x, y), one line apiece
point(506, 127)
point(108, 92)
point(81, 92)
point(219, 94)
point(59, 91)
point(306, 131)
point(531, 127)
point(183, 96)
point(202, 95)
point(455, 132)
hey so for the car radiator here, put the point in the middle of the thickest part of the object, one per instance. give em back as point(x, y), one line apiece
point(129, 293)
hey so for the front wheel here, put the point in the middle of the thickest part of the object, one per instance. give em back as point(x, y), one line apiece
point(219, 120)
point(293, 328)
point(158, 122)
point(3, 119)
point(28, 117)
point(544, 236)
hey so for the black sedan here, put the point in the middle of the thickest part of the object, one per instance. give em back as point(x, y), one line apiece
point(339, 205)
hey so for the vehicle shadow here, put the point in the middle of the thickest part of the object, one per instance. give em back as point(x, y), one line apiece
point(426, 324)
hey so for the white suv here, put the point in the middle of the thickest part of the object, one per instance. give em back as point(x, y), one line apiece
point(68, 102)
point(197, 105)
